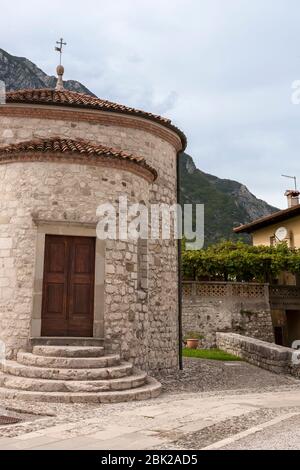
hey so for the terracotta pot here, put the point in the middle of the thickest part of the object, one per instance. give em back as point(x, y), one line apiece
point(192, 343)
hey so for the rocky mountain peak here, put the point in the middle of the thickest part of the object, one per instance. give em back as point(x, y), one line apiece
point(19, 72)
point(227, 203)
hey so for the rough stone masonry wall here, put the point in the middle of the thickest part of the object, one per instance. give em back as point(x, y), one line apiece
point(272, 357)
point(142, 326)
point(209, 307)
point(67, 193)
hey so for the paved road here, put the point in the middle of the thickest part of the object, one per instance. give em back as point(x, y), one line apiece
point(184, 421)
point(210, 404)
point(281, 435)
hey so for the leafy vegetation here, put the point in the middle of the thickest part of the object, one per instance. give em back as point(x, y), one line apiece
point(193, 335)
point(214, 354)
point(229, 261)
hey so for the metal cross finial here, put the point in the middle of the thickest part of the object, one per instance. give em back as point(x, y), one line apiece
point(60, 48)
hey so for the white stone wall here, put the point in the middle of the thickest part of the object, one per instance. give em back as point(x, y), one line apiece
point(226, 310)
point(268, 356)
point(142, 326)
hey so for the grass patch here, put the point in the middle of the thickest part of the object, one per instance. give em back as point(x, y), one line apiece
point(214, 354)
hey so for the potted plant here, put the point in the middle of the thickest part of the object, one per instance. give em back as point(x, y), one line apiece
point(192, 339)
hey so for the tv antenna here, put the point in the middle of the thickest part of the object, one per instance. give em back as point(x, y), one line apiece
point(292, 178)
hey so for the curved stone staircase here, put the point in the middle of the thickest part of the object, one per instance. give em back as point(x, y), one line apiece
point(74, 374)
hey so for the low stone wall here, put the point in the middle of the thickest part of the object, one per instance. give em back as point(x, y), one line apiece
point(272, 357)
point(243, 308)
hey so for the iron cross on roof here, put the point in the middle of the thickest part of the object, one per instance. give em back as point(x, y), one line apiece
point(60, 48)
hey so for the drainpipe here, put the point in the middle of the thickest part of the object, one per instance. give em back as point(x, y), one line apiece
point(179, 269)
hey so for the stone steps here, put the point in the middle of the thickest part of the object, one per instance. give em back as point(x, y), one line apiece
point(74, 374)
point(50, 385)
point(70, 351)
point(65, 341)
point(151, 389)
point(30, 359)
point(104, 373)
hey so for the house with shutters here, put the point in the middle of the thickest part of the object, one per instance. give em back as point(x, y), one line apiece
point(284, 296)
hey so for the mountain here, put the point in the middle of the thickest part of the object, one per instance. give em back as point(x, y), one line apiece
point(227, 203)
point(19, 72)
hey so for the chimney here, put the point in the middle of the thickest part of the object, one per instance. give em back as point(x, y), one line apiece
point(292, 197)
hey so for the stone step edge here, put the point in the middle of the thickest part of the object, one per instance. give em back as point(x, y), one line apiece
point(33, 360)
point(68, 351)
point(137, 379)
point(65, 341)
point(10, 366)
point(151, 389)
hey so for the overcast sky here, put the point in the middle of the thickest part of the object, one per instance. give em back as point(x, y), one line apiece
point(221, 69)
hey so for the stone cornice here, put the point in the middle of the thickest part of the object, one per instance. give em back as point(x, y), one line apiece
point(93, 117)
point(84, 159)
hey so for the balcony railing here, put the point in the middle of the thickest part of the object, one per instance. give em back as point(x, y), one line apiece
point(279, 297)
point(225, 289)
point(285, 297)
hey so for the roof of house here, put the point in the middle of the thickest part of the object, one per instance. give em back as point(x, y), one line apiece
point(272, 219)
point(69, 146)
point(49, 96)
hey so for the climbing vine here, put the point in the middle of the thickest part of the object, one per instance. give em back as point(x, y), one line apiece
point(229, 261)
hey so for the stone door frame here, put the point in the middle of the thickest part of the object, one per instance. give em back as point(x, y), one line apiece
point(77, 229)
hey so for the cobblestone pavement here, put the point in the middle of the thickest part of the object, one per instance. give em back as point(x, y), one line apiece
point(199, 407)
point(206, 375)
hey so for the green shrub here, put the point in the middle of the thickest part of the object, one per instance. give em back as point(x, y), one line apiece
point(193, 335)
point(229, 261)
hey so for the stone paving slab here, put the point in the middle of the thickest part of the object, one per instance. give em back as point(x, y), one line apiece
point(181, 418)
point(184, 419)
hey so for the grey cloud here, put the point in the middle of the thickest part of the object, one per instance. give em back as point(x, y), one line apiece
point(222, 70)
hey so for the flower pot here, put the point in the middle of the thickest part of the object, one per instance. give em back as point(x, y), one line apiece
point(192, 343)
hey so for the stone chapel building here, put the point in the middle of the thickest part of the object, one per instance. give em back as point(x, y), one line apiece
point(79, 314)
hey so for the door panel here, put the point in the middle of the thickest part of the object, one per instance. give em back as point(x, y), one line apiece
point(68, 289)
point(82, 258)
point(55, 298)
point(54, 306)
point(56, 256)
point(81, 295)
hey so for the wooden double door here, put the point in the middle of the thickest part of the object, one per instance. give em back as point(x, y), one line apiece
point(68, 286)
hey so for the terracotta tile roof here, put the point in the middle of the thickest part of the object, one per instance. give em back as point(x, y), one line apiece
point(272, 219)
point(70, 146)
point(70, 98)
